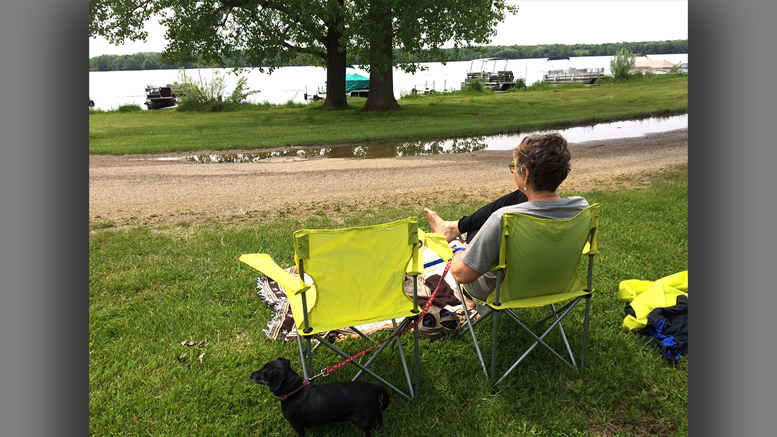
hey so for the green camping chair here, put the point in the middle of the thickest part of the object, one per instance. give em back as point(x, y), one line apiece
point(350, 277)
point(538, 267)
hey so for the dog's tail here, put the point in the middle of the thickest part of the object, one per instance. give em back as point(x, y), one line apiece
point(384, 397)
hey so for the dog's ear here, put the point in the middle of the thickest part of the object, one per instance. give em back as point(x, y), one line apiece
point(286, 364)
point(275, 378)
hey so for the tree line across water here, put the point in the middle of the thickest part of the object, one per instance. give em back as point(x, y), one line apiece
point(155, 61)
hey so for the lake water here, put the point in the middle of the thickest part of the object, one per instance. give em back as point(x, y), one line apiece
point(110, 89)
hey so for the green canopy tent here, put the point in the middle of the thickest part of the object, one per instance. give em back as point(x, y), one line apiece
point(355, 82)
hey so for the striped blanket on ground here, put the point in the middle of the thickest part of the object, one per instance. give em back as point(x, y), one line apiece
point(281, 325)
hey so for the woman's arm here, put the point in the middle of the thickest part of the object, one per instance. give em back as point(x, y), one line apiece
point(461, 272)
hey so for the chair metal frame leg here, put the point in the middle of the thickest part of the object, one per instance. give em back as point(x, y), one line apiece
point(539, 340)
point(416, 350)
point(319, 344)
point(375, 355)
point(475, 323)
point(417, 364)
point(362, 335)
point(472, 330)
point(495, 331)
point(302, 356)
point(365, 369)
point(404, 361)
point(585, 331)
point(587, 307)
point(309, 351)
point(563, 335)
point(558, 316)
point(406, 322)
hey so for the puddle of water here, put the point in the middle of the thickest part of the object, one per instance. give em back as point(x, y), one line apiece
point(615, 130)
point(601, 131)
point(369, 151)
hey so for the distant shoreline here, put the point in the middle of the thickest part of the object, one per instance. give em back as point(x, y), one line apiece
point(108, 62)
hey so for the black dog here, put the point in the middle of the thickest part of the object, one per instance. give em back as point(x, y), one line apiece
point(306, 405)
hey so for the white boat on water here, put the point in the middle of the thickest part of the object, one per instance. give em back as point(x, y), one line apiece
point(655, 66)
point(567, 73)
point(493, 79)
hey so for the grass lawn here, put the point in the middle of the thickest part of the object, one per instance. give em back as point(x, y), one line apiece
point(176, 326)
point(442, 115)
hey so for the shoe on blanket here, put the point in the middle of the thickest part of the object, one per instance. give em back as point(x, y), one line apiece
point(439, 322)
point(430, 327)
point(449, 322)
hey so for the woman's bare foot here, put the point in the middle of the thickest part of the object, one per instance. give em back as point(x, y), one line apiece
point(448, 228)
point(469, 302)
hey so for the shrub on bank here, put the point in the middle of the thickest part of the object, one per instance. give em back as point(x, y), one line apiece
point(622, 63)
point(129, 107)
point(474, 87)
point(544, 86)
point(637, 77)
point(208, 95)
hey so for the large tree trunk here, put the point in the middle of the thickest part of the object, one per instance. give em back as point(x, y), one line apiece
point(381, 95)
point(335, 69)
point(335, 80)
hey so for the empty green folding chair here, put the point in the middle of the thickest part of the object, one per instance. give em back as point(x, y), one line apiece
point(350, 277)
point(538, 266)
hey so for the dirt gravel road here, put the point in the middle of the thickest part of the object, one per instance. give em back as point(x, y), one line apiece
point(134, 190)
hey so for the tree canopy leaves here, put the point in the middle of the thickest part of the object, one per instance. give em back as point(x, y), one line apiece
point(268, 34)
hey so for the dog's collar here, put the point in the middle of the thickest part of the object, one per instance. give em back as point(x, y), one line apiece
point(287, 395)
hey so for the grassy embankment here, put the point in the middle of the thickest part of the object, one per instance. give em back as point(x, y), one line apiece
point(175, 325)
point(443, 115)
point(151, 291)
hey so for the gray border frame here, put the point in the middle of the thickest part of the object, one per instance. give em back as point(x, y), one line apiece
point(44, 199)
point(732, 248)
point(44, 284)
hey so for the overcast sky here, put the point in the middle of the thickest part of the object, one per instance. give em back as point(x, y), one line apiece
point(537, 22)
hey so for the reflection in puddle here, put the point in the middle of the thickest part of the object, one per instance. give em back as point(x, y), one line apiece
point(377, 150)
point(602, 131)
point(619, 129)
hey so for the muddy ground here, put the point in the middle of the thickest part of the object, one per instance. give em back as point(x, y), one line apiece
point(133, 190)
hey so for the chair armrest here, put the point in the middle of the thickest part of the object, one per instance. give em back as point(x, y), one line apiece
point(265, 264)
point(437, 243)
point(587, 250)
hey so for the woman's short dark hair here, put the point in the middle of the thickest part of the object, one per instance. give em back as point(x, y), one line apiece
point(547, 157)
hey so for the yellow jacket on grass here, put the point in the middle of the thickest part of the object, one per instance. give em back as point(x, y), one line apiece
point(645, 296)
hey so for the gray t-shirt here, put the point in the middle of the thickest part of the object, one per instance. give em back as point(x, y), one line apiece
point(483, 252)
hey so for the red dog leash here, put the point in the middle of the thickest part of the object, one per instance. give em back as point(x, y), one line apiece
point(331, 369)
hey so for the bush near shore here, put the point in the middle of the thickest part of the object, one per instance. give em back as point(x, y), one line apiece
point(432, 116)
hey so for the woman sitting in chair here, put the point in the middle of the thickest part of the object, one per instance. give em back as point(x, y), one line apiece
point(540, 164)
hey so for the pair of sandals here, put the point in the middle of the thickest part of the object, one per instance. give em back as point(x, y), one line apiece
point(439, 322)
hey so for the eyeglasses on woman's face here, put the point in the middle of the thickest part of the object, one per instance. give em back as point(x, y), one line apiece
point(513, 167)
